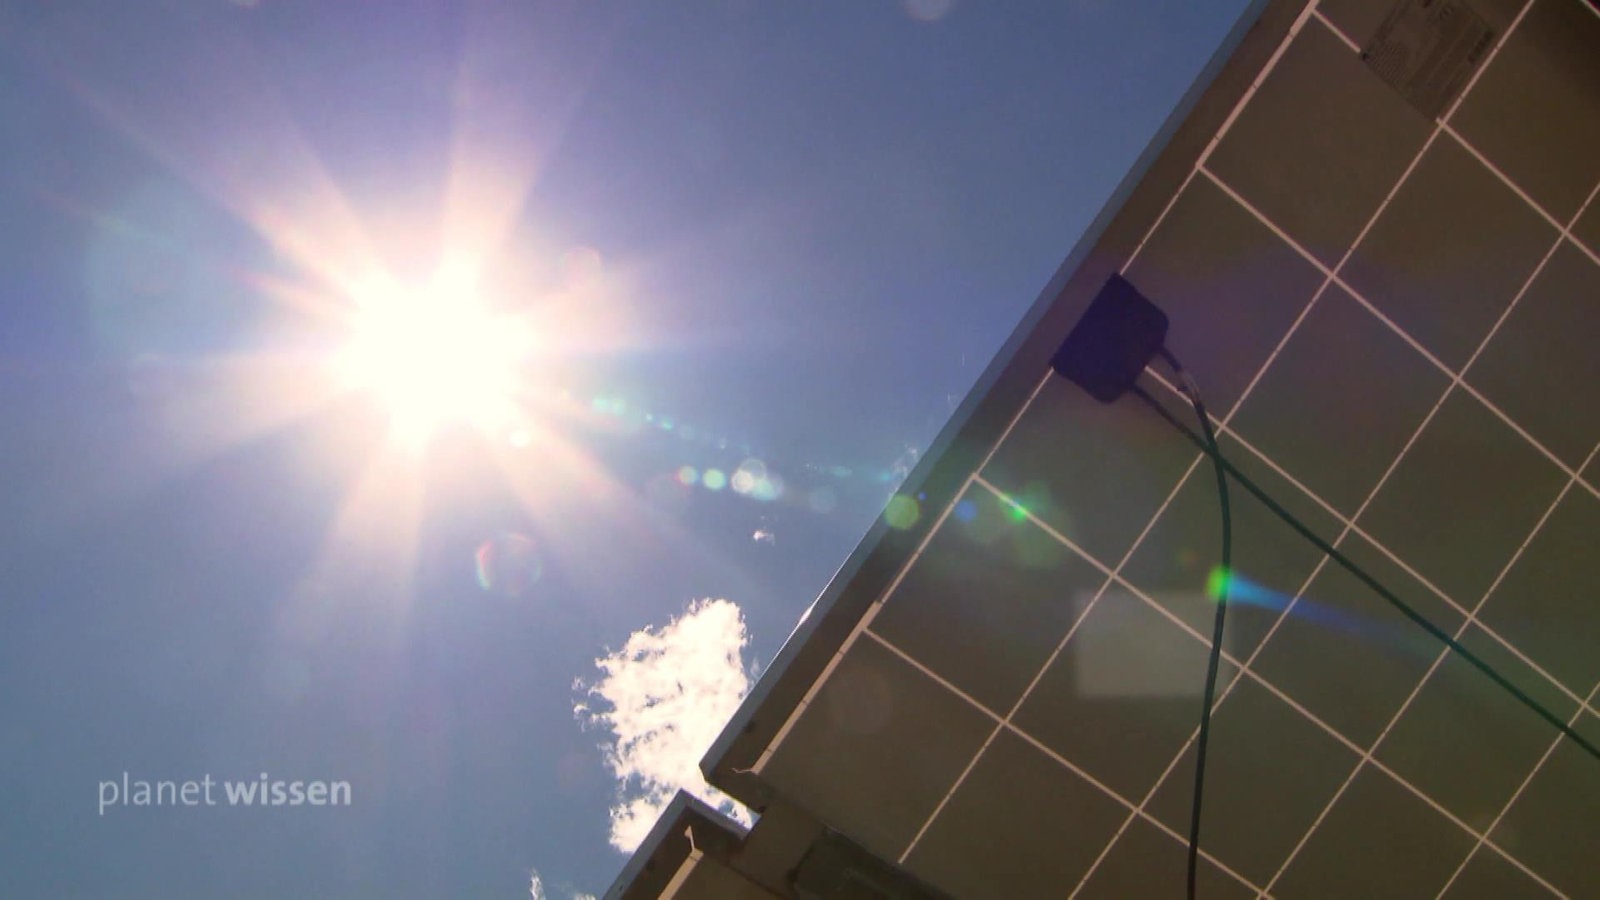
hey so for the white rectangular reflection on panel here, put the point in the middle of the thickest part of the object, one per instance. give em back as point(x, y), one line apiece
point(1127, 650)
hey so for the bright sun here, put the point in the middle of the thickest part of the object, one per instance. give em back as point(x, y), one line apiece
point(435, 356)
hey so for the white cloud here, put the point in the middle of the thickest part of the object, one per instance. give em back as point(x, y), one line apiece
point(664, 697)
point(902, 466)
point(537, 892)
point(928, 10)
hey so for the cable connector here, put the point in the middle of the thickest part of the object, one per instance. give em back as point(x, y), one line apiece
point(1116, 338)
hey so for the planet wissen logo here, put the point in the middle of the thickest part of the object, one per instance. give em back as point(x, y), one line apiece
point(264, 791)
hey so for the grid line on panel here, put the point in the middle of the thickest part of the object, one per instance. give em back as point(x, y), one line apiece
point(1333, 274)
point(849, 641)
point(1330, 276)
point(1471, 615)
point(960, 779)
point(1321, 267)
point(1368, 752)
point(1539, 525)
point(1348, 525)
point(872, 611)
point(1406, 567)
point(1516, 795)
point(1106, 850)
point(1111, 574)
point(1047, 528)
point(1139, 593)
point(1471, 82)
point(1222, 131)
point(1584, 704)
point(1565, 229)
point(933, 676)
point(1338, 32)
point(1115, 576)
point(1162, 826)
point(983, 463)
point(1333, 277)
point(1575, 474)
point(1327, 276)
point(1162, 216)
point(1248, 671)
point(1471, 618)
point(1326, 507)
point(1004, 723)
point(1456, 820)
point(1502, 176)
point(1580, 246)
point(1343, 520)
point(1144, 801)
point(1266, 70)
point(1245, 671)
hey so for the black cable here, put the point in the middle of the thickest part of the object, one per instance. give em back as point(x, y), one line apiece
point(1214, 662)
point(1207, 445)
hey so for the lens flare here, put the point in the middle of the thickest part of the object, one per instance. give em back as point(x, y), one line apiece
point(768, 489)
point(902, 512)
point(1244, 591)
point(508, 564)
point(750, 473)
point(1219, 581)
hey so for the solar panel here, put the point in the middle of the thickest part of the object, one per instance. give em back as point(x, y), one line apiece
point(1393, 317)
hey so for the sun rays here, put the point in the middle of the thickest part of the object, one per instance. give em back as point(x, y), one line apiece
point(468, 332)
point(435, 355)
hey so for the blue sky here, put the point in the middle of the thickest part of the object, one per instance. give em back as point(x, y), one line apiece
point(787, 232)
